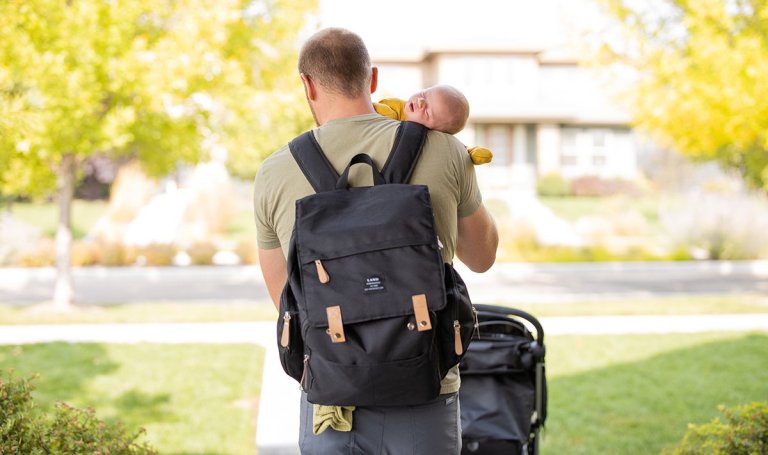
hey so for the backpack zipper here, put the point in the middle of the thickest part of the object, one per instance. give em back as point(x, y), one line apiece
point(457, 347)
point(304, 373)
point(322, 275)
point(286, 335)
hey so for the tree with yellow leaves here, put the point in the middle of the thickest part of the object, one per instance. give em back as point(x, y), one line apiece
point(701, 70)
point(160, 81)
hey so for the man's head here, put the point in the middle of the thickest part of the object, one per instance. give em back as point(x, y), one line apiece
point(338, 61)
point(441, 108)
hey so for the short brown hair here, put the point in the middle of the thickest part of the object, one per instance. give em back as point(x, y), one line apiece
point(338, 60)
point(458, 109)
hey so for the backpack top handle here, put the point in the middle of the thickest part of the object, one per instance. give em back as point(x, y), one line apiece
point(398, 168)
point(360, 158)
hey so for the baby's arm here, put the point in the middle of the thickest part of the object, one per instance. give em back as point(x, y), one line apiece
point(393, 108)
point(480, 155)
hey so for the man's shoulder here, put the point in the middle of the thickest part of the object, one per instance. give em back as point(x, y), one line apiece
point(275, 163)
point(446, 145)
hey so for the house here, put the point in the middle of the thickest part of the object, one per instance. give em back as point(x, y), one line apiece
point(539, 112)
point(532, 103)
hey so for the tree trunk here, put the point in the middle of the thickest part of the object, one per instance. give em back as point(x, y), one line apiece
point(64, 290)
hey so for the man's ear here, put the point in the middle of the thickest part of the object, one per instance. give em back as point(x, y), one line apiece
point(309, 87)
point(374, 78)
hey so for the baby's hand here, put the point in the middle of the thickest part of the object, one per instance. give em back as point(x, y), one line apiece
point(480, 155)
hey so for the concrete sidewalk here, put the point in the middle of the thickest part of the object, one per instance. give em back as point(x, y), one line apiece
point(278, 418)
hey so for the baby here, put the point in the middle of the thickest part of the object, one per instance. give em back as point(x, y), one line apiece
point(441, 107)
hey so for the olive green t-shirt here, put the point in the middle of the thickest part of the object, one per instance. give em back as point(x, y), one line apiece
point(444, 166)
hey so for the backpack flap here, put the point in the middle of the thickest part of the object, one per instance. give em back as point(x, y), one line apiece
point(373, 265)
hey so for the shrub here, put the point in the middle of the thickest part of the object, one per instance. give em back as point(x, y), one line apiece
point(114, 254)
point(745, 432)
point(42, 254)
point(25, 429)
point(552, 185)
point(159, 254)
point(201, 253)
point(723, 226)
point(84, 253)
point(247, 251)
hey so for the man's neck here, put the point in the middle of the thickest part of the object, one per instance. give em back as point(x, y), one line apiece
point(340, 108)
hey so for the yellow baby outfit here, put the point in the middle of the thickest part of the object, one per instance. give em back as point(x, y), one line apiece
point(394, 108)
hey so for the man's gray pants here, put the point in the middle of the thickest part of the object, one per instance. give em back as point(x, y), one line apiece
point(433, 428)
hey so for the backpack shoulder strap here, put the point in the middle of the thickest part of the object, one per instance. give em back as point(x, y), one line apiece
point(313, 162)
point(405, 152)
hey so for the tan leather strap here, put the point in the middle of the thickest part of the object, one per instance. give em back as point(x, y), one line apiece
point(285, 338)
point(421, 311)
point(335, 324)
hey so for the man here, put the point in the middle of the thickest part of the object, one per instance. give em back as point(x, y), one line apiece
point(338, 80)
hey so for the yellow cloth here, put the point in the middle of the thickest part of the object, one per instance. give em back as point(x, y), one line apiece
point(391, 107)
point(395, 109)
point(337, 417)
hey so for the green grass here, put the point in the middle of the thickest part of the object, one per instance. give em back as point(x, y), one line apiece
point(572, 208)
point(44, 215)
point(138, 313)
point(235, 312)
point(623, 395)
point(715, 304)
point(636, 394)
point(191, 399)
point(85, 214)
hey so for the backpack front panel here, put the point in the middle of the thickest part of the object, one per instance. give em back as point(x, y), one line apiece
point(372, 255)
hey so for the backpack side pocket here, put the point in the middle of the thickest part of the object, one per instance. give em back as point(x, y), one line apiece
point(290, 344)
point(457, 321)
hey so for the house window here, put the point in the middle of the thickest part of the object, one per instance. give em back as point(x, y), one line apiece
point(569, 153)
point(497, 138)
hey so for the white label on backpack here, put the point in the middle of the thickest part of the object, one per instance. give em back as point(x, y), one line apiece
point(373, 284)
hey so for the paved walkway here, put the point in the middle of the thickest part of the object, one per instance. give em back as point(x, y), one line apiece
point(278, 408)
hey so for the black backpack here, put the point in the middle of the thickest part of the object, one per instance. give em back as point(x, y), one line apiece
point(370, 315)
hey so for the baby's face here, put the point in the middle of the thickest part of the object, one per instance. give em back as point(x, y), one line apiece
point(426, 107)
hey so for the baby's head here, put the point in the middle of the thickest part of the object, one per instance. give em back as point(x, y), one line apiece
point(441, 108)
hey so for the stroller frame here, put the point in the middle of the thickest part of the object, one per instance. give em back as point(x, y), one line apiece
point(503, 394)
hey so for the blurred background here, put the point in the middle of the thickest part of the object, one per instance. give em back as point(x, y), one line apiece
point(623, 132)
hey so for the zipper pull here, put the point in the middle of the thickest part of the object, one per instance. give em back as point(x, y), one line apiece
point(457, 347)
point(286, 335)
point(304, 373)
point(321, 273)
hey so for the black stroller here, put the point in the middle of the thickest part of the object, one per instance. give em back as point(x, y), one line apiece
point(503, 385)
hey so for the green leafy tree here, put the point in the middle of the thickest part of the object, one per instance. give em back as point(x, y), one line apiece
point(160, 81)
point(701, 85)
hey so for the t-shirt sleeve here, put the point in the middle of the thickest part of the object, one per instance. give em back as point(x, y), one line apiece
point(469, 193)
point(266, 235)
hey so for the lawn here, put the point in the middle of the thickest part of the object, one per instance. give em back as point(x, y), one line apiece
point(632, 394)
point(44, 215)
point(573, 208)
point(144, 312)
point(191, 399)
point(636, 394)
point(217, 312)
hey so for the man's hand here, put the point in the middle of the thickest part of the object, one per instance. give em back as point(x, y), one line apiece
point(273, 267)
point(478, 240)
